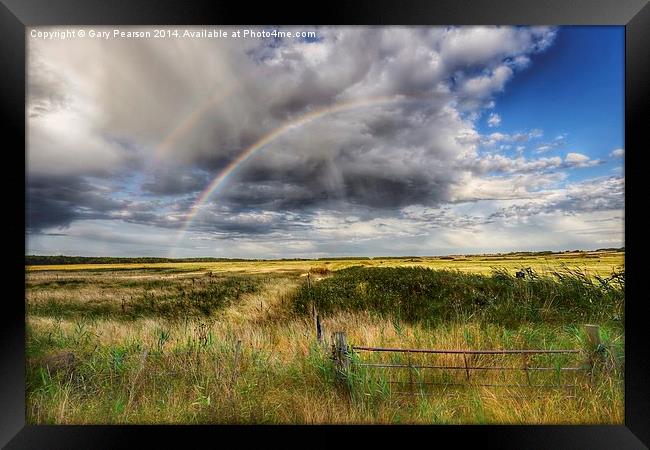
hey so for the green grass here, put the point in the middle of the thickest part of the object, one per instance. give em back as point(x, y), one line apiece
point(435, 296)
point(170, 356)
point(596, 262)
point(169, 298)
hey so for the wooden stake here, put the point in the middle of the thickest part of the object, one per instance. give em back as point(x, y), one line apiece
point(319, 331)
point(341, 356)
point(235, 363)
point(410, 373)
point(593, 333)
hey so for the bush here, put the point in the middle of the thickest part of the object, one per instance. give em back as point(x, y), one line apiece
point(418, 294)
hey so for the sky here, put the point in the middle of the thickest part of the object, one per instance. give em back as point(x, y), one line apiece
point(364, 141)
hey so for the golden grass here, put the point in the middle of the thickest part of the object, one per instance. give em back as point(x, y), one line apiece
point(281, 375)
point(598, 263)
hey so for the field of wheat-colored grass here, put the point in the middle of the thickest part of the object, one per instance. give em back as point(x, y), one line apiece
point(229, 343)
point(600, 263)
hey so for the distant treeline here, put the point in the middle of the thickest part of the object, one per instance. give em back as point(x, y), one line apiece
point(60, 259)
point(33, 260)
point(548, 252)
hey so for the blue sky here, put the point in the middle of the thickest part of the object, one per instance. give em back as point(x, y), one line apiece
point(460, 140)
point(577, 88)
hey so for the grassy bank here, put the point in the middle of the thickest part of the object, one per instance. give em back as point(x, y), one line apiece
point(250, 355)
point(436, 296)
point(596, 263)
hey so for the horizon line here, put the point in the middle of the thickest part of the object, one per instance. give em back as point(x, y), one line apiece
point(602, 249)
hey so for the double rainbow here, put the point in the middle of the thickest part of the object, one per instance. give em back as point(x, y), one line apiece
point(249, 152)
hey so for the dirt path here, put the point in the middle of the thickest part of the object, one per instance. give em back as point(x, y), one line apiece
point(272, 301)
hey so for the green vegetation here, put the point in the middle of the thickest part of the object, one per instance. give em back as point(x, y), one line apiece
point(234, 342)
point(34, 260)
point(168, 297)
point(435, 296)
point(62, 259)
point(595, 263)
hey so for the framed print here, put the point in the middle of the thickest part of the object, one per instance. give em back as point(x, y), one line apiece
point(391, 214)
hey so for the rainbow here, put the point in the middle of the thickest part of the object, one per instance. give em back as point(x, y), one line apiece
point(249, 152)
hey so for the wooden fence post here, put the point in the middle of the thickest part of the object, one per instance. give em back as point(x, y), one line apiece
point(314, 311)
point(411, 386)
point(593, 333)
point(341, 354)
point(319, 330)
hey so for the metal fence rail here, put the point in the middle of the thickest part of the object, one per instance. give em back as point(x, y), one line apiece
point(413, 366)
point(342, 353)
point(467, 352)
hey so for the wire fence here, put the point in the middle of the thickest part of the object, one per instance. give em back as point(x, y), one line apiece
point(423, 368)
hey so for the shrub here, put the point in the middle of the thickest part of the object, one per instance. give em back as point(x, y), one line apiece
point(420, 294)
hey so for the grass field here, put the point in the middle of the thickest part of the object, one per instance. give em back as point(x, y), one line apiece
point(234, 342)
point(601, 263)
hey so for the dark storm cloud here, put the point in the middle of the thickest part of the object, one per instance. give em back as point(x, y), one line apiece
point(379, 192)
point(175, 181)
point(227, 222)
point(351, 175)
point(57, 201)
point(43, 213)
point(180, 114)
point(273, 195)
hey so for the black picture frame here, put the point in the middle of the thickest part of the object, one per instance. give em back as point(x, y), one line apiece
point(15, 15)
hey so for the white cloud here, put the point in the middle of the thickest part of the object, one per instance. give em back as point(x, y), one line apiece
point(379, 177)
point(207, 99)
point(519, 137)
point(580, 160)
point(470, 187)
point(617, 153)
point(484, 85)
point(557, 142)
point(468, 45)
point(494, 120)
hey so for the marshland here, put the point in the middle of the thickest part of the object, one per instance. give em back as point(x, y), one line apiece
point(235, 342)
